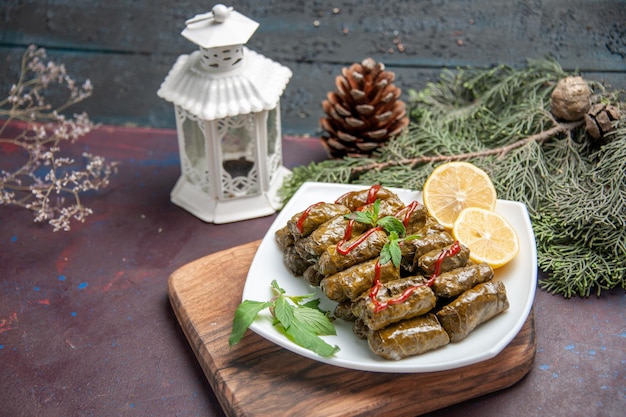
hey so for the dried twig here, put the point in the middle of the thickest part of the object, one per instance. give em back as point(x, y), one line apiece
point(46, 183)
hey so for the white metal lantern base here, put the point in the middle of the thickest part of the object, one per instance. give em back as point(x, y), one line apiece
point(191, 198)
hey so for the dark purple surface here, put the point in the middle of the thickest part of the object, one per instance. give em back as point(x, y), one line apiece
point(86, 327)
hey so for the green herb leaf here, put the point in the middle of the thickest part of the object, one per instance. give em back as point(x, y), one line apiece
point(361, 217)
point(284, 311)
point(298, 317)
point(314, 303)
point(302, 336)
point(376, 210)
point(299, 299)
point(368, 216)
point(244, 316)
point(411, 237)
point(392, 224)
point(277, 288)
point(391, 251)
point(396, 252)
point(385, 254)
point(314, 320)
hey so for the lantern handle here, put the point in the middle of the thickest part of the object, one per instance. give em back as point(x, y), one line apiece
point(219, 14)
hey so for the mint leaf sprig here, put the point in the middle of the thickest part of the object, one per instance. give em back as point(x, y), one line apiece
point(297, 317)
point(395, 229)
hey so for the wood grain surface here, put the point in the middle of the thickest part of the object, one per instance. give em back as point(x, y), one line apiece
point(258, 378)
point(126, 48)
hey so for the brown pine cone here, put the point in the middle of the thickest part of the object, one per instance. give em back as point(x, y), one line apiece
point(601, 120)
point(364, 112)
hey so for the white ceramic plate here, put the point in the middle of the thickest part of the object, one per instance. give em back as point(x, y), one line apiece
point(519, 277)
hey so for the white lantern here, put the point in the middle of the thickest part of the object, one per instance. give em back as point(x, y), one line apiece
point(226, 100)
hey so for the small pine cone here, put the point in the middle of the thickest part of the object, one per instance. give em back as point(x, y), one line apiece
point(570, 99)
point(601, 119)
point(364, 112)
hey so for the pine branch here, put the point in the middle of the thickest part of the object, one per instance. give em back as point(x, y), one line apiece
point(557, 129)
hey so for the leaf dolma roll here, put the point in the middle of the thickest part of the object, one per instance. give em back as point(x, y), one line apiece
point(359, 329)
point(284, 238)
point(414, 249)
point(387, 207)
point(413, 217)
point(303, 223)
point(294, 262)
point(420, 301)
point(355, 199)
point(312, 276)
point(353, 281)
point(472, 308)
point(408, 337)
point(429, 261)
point(328, 233)
point(452, 283)
point(431, 226)
point(357, 250)
point(343, 311)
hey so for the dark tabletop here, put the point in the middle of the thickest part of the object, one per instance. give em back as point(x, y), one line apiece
point(86, 327)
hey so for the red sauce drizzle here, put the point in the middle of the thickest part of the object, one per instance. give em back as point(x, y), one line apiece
point(407, 216)
point(371, 198)
point(304, 215)
point(347, 235)
point(341, 197)
point(451, 251)
point(371, 194)
point(376, 286)
point(380, 306)
point(345, 250)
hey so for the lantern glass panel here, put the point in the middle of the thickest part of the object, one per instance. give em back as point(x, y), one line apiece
point(194, 149)
point(272, 131)
point(274, 151)
point(194, 142)
point(239, 156)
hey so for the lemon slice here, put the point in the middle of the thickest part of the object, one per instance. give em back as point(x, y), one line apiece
point(488, 235)
point(453, 186)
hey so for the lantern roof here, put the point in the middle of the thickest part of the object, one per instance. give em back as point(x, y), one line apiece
point(222, 26)
point(256, 85)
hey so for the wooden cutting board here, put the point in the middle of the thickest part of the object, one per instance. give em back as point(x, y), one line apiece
point(259, 378)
